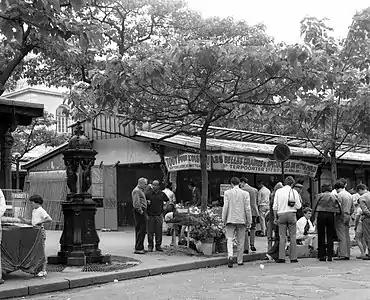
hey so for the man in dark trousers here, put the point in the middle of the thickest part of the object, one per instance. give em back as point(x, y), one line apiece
point(139, 204)
point(156, 199)
point(253, 194)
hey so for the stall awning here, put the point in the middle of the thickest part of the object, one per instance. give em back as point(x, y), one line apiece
point(219, 145)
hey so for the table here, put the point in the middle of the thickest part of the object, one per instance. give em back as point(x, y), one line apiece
point(22, 249)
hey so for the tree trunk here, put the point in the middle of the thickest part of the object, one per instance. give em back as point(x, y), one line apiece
point(333, 166)
point(203, 169)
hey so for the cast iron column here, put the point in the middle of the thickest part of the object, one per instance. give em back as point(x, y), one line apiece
point(79, 243)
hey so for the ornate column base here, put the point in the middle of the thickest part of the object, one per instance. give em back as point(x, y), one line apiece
point(79, 243)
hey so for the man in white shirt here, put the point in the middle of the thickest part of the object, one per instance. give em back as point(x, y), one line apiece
point(286, 203)
point(2, 211)
point(306, 232)
point(263, 205)
point(169, 193)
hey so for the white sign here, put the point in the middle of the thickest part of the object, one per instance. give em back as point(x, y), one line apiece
point(224, 187)
point(186, 161)
point(261, 165)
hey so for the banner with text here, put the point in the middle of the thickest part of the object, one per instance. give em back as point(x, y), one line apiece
point(186, 161)
point(251, 164)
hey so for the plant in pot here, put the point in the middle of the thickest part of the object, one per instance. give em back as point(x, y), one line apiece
point(206, 231)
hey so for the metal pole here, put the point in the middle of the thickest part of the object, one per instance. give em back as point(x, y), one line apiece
point(282, 172)
point(17, 173)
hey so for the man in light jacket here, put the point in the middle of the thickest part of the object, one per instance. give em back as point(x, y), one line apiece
point(286, 203)
point(237, 217)
point(139, 204)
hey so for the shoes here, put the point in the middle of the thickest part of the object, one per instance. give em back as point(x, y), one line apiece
point(322, 259)
point(341, 258)
point(241, 264)
point(294, 260)
point(246, 252)
point(280, 261)
point(366, 258)
point(159, 249)
point(150, 249)
point(253, 249)
point(41, 274)
point(139, 252)
point(230, 262)
point(2, 281)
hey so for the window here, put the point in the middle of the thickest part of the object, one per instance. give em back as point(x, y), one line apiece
point(62, 117)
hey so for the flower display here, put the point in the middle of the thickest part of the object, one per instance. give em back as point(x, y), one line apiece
point(210, 226)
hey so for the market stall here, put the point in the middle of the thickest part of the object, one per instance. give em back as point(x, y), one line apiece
point(21, 248)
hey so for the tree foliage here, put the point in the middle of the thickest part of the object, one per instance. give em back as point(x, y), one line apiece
point(40, 132)
point(47, 28)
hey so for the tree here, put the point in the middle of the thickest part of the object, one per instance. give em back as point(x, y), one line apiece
point(332, 108)
point(199, 83)
point(39, 27)
point(40, 132)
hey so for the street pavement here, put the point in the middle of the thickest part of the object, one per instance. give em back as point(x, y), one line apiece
point(308, 279)
point(115, 243)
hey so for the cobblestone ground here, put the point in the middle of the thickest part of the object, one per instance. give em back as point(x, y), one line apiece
point(308, 279)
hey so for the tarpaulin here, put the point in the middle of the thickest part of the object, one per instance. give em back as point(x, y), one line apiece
point(22, 249)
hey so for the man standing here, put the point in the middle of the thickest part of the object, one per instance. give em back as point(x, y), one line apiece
point(156, 199)
point(169, 193)
point(195, 195)
point(139, 204)
point(364, 201)
point(263, 205)
point(236, 214)
point(253, 195)
point(2, 211)
point(342, 222)
point(286, 203)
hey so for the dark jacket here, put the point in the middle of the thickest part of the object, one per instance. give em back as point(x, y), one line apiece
point(155, 208)
point(326, 202)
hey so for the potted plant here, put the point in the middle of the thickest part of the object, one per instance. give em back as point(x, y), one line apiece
point(206, 231)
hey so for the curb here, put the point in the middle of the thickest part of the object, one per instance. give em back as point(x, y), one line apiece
point(65, 284)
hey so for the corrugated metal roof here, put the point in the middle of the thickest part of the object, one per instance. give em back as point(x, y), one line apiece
point(244, 147)
point(252, 136)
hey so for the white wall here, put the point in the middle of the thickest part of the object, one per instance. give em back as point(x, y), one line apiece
point(125, 150)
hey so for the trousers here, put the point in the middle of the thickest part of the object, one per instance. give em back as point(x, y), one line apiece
point(237, 231)
point(288, 221)
point(140, 229)
point(155, 228)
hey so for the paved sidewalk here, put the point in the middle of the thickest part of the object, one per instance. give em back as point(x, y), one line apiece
point(119, 243)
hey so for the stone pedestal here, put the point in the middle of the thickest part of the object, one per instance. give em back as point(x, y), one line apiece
point(79, 243)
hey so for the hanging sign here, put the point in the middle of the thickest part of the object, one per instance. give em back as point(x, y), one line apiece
point(186, 161)
point(260, 165)
point(224, 187)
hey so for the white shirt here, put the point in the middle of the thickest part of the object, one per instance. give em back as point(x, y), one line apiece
point(281, 200)
point(2, 204)
point(301, 224)
point(170, 195)
point(38, 216)
point(264, 196)
point(359, 213)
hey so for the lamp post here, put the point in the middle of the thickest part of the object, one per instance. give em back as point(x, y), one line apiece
point(79, 243)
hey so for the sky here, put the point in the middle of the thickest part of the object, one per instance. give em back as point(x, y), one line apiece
point(282, 17)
